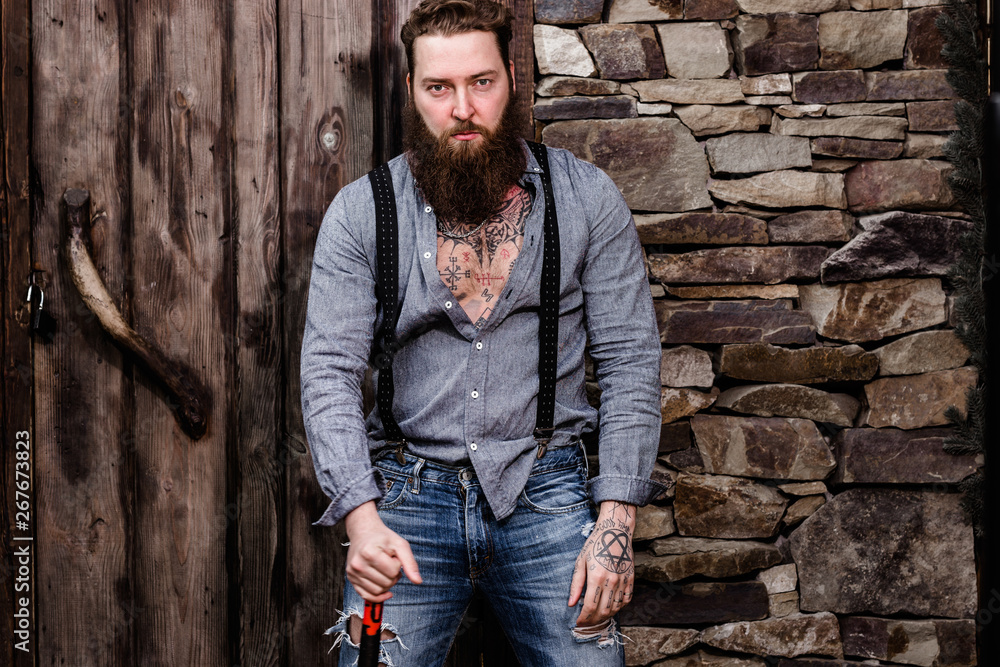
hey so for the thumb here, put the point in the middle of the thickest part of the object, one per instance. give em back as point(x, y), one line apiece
point(401, 550)
point(579, 579)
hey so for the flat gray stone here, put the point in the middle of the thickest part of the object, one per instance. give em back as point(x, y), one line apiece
point(686, 366)
point(800, 6)
point(716, 322)
point(772, 42)
point(893, 456)
point(701, 228)
point(917, 401)
point(655, 109)
point(924, 146)
point(922, 352)
point(768, 84)
point(866, 109)
point(783, 189)
point(666, 603)
point(648, 643)
point(929, 84)
point(624, 50)
point(739, 264)
point(655, 162)
point(804, 488)
point(779, 579)
point(885, 185)
point(789, 110)
point(726, 507)
point(874, 310)
point(791, 400)
point(792, 635)
point(898, 244)
point(865, 149)
point(627, 11)
point(802, 509)
point(745, 153)
point(560, 51)
point(676, 558)
point(845, 39)
point(695, 50)
point(828, 87)
point(652, 521)
point(568, 108)
point(881, 551)
point(927, 642)
point(690, 91)
point(677, 403)
point(735, 291)
point(935, 116)
point(710, 10)
point(772, 448)
point(811, 365)
point(862, 127)
point(811, 227)
point(568, 11)
point(705, 119)
point(553, 86)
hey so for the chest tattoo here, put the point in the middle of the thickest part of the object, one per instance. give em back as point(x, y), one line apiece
point(477, 268)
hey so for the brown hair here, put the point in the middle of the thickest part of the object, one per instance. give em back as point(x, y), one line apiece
point(450, 17)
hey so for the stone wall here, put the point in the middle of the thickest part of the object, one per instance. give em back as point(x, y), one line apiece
point(783, 162)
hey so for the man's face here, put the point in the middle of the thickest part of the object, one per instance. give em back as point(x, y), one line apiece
point(460, 86)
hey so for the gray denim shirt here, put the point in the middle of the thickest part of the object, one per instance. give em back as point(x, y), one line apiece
point(464, 394)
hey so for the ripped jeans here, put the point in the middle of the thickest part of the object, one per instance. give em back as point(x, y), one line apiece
point(522, 565)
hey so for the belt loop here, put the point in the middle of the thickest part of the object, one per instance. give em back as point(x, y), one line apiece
point(416, 475)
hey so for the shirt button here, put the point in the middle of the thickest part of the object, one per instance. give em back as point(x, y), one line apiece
point(427, 209)
point(479, 346)
point(447, 304)
point(473, 447)
point(475, 394)
point(427, 255)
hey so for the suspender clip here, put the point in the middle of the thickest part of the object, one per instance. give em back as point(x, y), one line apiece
point(543, 436)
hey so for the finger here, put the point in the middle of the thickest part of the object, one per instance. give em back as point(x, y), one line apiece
point(579, 579)
point(591, 602)
point(401, 549)
point(371, 595)
point(378, 566)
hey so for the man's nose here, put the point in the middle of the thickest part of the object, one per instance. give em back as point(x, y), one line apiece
point(463, 106)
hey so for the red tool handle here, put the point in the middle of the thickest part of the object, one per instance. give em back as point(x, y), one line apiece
point(371, 631)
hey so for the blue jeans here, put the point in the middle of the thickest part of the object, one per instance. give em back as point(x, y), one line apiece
point(522, 565)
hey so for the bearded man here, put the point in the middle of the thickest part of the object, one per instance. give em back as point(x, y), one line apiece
point(458, 490)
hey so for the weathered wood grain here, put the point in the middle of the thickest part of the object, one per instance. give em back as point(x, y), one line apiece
point(389, 64)
point(326, 142)
point(82, 477)
point(182, 295)
point(522, 52)
point(259, 510)
point(15, 263)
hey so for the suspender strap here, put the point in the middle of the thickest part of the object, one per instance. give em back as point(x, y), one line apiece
point(387, 241)
point(548, 312)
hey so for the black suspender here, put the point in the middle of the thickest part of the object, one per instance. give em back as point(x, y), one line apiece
point(385, 343)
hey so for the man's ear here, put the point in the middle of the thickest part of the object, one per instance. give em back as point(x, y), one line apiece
point(513, 81)
point(409, 90)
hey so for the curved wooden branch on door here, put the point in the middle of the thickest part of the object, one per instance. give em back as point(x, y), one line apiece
point(191, 402)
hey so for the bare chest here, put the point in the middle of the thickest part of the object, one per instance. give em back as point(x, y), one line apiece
point(477, 268)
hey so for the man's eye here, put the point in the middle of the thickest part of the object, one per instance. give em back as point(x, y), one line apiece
point(483, 82)
point(436, 88)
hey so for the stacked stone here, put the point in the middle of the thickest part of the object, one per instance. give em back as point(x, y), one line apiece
point(783, 160)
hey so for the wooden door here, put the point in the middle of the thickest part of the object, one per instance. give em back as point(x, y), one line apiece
point(211, 137)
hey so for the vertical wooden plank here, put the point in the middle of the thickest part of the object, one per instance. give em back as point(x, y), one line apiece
point(84, 597)
point(259, 508)
point(389, 64)
point(182, 291)
point(15, 345)
point(326, 142)
point(522, 52)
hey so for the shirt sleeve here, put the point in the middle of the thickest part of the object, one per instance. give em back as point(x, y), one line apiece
point(625, 346)
point(340, 320)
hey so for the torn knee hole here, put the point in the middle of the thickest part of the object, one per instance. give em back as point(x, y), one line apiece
point(354, 628)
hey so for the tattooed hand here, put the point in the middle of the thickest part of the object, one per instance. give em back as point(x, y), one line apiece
point(605, 565)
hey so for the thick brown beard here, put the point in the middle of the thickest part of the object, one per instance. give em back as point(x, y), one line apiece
point(464, 183)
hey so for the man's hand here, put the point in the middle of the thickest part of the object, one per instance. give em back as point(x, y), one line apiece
point(376, 554)
point(605, 565)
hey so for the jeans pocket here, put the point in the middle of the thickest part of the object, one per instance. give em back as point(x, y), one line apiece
point(556, 491)
point(393, 487)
